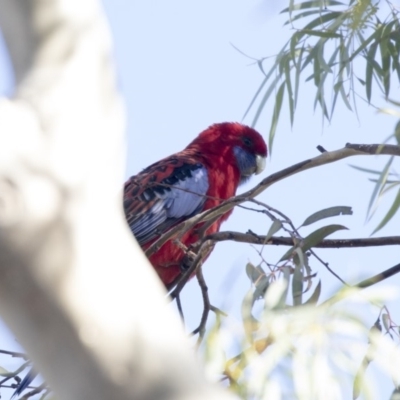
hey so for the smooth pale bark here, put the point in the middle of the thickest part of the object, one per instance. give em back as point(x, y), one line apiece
point(75, 287)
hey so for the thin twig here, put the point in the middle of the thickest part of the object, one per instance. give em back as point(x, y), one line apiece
point(14, 354)
point(326, 265)
point(179, 305)
point(201, 329)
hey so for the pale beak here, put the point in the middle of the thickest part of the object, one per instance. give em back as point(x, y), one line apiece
point(260, 164)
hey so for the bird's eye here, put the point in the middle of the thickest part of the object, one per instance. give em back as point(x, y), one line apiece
point(247, 141)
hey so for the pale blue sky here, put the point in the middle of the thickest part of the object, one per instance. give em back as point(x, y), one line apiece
point(179, 74)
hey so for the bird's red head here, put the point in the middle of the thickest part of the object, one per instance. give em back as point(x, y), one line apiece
point(236, 143)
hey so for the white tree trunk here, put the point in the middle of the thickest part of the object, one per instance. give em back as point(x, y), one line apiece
point(75, 287)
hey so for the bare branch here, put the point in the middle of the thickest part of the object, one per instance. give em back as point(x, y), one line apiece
point(201, 329)
point(253, 238)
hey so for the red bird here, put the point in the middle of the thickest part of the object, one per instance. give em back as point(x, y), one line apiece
point(207, 172)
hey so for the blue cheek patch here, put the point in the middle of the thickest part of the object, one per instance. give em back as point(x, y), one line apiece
point(245, 161)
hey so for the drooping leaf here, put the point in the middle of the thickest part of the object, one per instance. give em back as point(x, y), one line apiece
point(370, 171)
point(275, 227)
point(370, 58)
point(390, 185)
point(315, 296)
point(297, 281)
point(386, 322)
point(322, 19)
point(275, 115)
point(386, 60)
point(379, 184)
point(265, 98)
point(252, 272)
point(320, 234)
point(389, 215)
point(259, 279)
point(289, 91)
point(313, 239)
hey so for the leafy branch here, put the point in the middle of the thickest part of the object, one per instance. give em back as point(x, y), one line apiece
point(340, 47)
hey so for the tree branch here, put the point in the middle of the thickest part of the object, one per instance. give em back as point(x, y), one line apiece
point(76, 289)
point(253, 238)
point(327, 157)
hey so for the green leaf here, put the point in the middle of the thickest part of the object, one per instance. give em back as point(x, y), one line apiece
point(370, 171)
point(320, 234)
point(324, 34)
point(311, 56)
point(289, 91)
point(303, 15)
point(315, 296)
point(259, 279)
point(265, 98)
point(370, 69)
point(275, 227)
point(386, 61)
point(254, 273)
point(396, 133)
point(322, 19)
point(392, 211)
point(275, 115)
point(313, 239)
point(390, 185)
point(394, 54)
point(365, 42)
point(297, 76)
point(327, 213)
point(380, 183)
point(297, 281)
point(261, 288)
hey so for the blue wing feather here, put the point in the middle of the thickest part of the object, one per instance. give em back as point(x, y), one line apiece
point(156, 206)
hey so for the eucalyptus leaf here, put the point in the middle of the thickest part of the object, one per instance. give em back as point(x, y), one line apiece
point(313, 239)
point(275, 227)
point(327, 213)
point(380, 183)
point(275, 115)
point(315, 296)
point(389, 215)
point(298, 279)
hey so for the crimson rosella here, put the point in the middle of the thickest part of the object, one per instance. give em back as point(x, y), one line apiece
point(207, 172)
